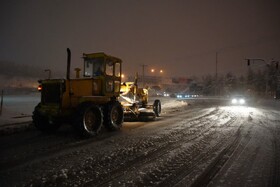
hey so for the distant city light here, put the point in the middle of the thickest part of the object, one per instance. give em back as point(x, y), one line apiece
point(154, 71)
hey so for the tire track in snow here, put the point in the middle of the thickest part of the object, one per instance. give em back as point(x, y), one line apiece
point(130, 149)
point(223, 159)
point(173, 147)
point(248, 164)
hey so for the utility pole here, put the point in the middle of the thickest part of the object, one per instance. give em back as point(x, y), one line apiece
point(1, 105)
point(216, 66)
point(216, 75)
point(143, 74)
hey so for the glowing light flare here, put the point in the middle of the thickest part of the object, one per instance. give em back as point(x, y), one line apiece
point(234, 101)
point(242, 101)
point(239, 101)
point(154, 70)
point(39, 88)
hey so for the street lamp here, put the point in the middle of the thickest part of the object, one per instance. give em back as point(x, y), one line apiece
point(154, 71)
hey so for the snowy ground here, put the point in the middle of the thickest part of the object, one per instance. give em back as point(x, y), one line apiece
point(18, 108)
point(195, 143)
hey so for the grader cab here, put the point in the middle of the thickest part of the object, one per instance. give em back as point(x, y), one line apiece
point(87, 101)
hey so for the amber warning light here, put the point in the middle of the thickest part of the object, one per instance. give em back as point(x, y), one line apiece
point(40, 88)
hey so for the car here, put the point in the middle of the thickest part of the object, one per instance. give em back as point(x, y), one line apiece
point(238, 100)
point(187, 95)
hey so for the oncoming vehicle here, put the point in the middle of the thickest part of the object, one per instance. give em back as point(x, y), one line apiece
point(238, 100)
point(186, 96)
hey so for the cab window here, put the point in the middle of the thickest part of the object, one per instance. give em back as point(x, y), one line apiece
point(93, 67)
point(118, 69)
point(88, 69)
point(109, 68)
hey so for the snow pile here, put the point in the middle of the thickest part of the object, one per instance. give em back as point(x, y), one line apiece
point(173, 104)
point(18, 108)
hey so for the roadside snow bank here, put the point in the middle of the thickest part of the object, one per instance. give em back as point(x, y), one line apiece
point(173, 104)
point(18, 108)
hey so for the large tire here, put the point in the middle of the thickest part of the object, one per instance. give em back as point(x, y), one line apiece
point(43, 123)
point(89, 119)
point(157, 107)
point(114, 116)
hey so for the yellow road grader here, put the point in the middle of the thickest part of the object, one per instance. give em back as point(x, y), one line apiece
point(95, 99)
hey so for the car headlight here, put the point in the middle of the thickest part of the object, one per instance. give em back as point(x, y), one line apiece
point(241, 101)
point(234, 101)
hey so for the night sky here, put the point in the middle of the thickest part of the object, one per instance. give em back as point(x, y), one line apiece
point(180, 36)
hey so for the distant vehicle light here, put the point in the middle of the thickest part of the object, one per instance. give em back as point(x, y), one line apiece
point(179, 96)
point(241, 101)
point(238, 101)
point(166, 95)
point(234, 101)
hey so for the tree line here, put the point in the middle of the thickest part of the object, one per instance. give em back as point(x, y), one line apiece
point(261, 82)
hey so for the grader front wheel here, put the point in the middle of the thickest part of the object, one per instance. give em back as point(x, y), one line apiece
point(89, 119)
point(114, 116)
point(157, 107)
point(42, 123)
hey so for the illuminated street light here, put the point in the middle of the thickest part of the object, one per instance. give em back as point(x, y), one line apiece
point(154, 71)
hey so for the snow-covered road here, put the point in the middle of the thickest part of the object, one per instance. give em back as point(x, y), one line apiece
point(203, 143)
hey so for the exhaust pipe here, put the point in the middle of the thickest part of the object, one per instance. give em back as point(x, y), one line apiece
point(68, 63)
